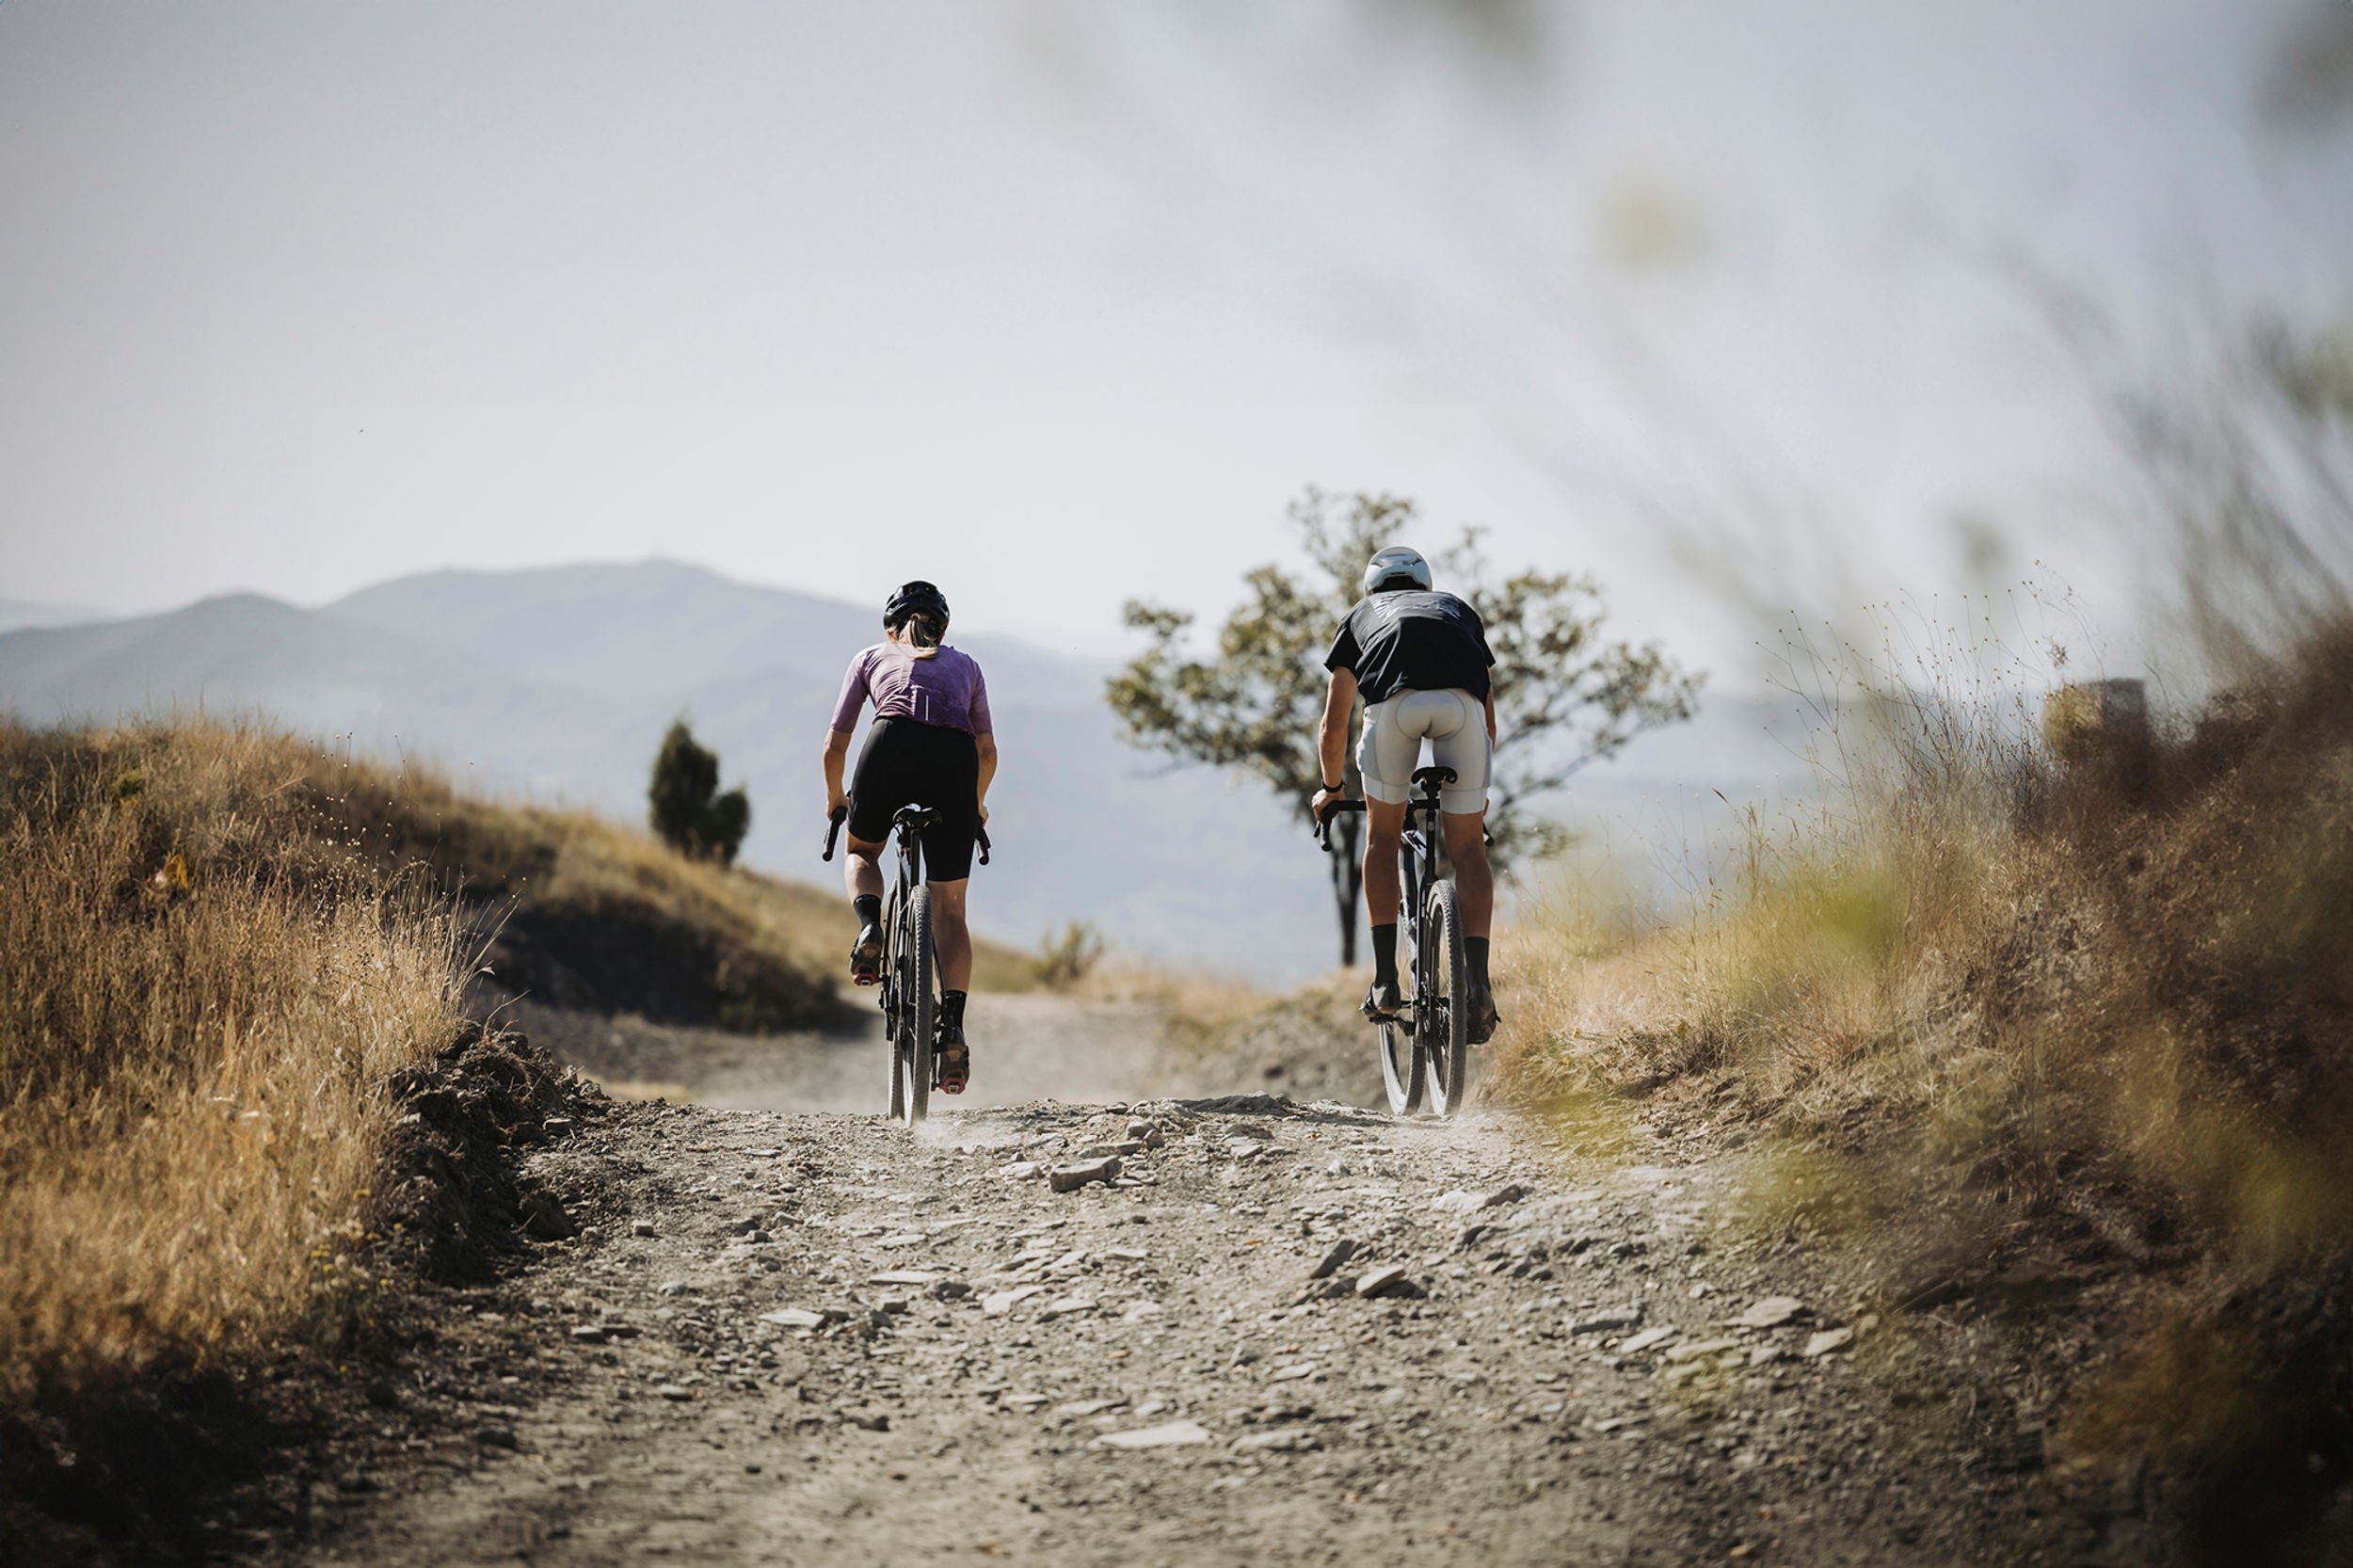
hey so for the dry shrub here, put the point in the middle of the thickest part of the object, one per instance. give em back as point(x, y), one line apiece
point(2113, 993)
point(201, 998)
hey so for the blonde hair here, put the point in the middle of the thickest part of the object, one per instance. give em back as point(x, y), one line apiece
point(921, 633)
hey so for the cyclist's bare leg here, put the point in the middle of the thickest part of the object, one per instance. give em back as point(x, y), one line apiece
point(1474, 881)
point(1384, 824)
point(861, 869)
point(951, 935)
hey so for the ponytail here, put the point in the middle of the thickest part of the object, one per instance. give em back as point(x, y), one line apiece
point(921, 631)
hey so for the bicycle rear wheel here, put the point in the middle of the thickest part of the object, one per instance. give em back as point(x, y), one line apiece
point(918, 1005)
point(1446, 1025)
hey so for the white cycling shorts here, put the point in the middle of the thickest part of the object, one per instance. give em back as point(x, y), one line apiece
point(1455, 724)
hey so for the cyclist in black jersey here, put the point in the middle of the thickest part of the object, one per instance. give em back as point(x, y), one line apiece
point(1419, 659)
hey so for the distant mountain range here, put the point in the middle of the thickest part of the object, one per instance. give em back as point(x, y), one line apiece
point(557, 683)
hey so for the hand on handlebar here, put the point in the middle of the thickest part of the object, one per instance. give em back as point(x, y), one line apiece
point(1326, 806)
point(834, 819)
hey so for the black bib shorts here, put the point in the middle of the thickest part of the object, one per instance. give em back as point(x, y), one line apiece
point(908, 763)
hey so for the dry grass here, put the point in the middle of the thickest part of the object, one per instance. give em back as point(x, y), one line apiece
point(584, 912)
point(201, 997)
point(2112, 995)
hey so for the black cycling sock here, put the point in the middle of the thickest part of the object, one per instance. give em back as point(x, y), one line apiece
point(869, 908)
point(1475, 949)
point(1385, 955)
point(951, 1007)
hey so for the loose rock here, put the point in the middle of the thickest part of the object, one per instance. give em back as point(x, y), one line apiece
point(1069, 1178)
point(1827, 1341)
point(1167, 1434)
point(1772, 1312)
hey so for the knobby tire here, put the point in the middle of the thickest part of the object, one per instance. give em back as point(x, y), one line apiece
point(1447, 1042)
point(919, 1005)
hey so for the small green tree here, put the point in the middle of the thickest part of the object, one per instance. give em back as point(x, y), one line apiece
point(687, 809)
point(1565, 698)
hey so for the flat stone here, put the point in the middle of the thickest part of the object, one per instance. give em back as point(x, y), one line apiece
point(1648, 1337)
point(1068, 1306)
point(1244, 1148)
point(1342, 1250)
point(1771, 1312)
point(1069, 1178)
point(796, 1316)
point(1765, 1355)
point(1460, 1202)
point(1830, 1339)
point(1088, 1407)
point(1692, 1349)
point(1167, 1434)
point(998, 1302)
point(1286, 1440)
point(1022, 1170)
point(904, 1238)
point(495, 1437)
point(641, 1227)
point(1025, 1401)
point(1138, 1311)
point(673, 1391)
point(914, 1278)
point(1606, 1319)
point(1127, 1254)
point(589, 1334)
point(1292, 1373)
point(677, 1288)
point(1388, 1277)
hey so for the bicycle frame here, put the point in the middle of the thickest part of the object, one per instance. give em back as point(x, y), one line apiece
point(910, 973)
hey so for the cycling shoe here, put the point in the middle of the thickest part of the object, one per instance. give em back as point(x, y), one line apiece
point(955, 1067)
point(867, 955)
point(1384, 1001)
point(1483, 1016)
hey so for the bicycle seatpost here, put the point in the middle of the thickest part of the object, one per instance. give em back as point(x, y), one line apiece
point(841, 815)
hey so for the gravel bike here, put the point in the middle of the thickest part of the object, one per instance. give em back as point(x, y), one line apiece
point(910, 971)
point(1429, 1041)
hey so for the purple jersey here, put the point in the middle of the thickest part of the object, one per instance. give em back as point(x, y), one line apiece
point(945, 690)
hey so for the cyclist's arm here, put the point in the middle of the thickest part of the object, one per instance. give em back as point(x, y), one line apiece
point(1340, 701)
point(1491, 716)
point(986, 745)
point(836, 754)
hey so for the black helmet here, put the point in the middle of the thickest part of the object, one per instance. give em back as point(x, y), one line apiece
point(912, 598)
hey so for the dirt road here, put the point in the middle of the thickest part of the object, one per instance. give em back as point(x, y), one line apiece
point(789, 1336)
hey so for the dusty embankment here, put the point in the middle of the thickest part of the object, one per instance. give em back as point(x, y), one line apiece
point(814, 1338)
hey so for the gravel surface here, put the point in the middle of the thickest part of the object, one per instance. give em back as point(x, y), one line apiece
point(1251, 1329)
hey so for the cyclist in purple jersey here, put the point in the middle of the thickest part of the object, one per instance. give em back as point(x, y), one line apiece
point(932, 743)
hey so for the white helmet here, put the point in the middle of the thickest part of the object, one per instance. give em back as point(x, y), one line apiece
point(1395, 568)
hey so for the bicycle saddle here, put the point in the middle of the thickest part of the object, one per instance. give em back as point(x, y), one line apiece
point(1431, 781)
point(915, 817)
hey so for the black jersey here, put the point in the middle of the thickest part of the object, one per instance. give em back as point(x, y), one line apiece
point(1411, 640)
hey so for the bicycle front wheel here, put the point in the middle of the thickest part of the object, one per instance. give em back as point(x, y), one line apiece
point(1445, 1038)
point(918, 1005)
point(894, 1010)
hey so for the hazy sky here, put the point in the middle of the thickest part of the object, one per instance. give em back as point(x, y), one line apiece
point(1058, 303)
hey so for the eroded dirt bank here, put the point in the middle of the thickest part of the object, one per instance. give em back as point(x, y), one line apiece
point(814, 1338)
